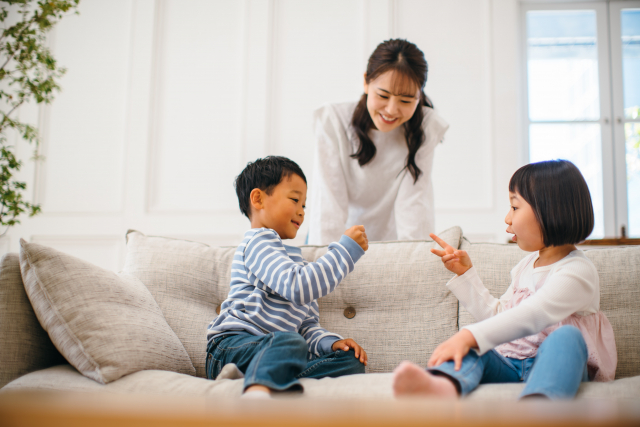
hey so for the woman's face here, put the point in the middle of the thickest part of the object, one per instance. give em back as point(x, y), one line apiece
point(391, 100)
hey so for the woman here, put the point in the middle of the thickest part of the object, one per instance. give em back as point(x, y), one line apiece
point(373, 158)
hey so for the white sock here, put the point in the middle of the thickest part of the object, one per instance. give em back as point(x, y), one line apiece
point(258, 394)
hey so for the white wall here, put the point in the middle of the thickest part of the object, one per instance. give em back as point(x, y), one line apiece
point(166, 100)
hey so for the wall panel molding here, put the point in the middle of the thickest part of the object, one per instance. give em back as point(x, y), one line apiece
point(82, 141)
point(379, 24)
point(258, 28)
point(459, 82)
point(197, 107)
point(274, 62)
point(154, 100)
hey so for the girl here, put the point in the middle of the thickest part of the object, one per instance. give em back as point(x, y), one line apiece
point(374, 157)
point(547, 330)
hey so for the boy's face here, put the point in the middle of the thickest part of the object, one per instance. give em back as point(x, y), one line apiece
point(283, 210)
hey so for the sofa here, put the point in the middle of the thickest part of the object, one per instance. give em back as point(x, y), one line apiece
point(68, 325)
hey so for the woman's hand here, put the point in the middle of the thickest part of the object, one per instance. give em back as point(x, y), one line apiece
point(349, 343)
point(454, 260)
point(455, 348)
point(359, 236)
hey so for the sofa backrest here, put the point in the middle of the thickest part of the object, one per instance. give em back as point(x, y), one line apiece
point(619, 273)
point(402, 308)
point(25, 347)
point(188, 280)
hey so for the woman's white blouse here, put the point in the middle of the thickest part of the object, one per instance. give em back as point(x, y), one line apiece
point(380, 195)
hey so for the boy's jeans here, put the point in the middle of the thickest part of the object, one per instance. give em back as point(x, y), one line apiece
point(276, 360)
point(555, 372)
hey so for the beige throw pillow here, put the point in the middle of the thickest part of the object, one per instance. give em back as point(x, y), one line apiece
point(106, 325)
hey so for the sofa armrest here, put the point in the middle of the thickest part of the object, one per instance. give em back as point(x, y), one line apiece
point(25, 347)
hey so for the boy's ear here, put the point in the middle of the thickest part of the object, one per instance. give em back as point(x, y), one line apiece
point(256, 198)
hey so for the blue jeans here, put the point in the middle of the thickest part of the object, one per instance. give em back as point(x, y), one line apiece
point(276, 360)
point(555, 372)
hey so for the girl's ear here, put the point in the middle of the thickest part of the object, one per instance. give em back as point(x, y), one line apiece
point(366, 85)
point(256, 198)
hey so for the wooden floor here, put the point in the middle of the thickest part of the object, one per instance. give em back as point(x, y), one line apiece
point(30, 408)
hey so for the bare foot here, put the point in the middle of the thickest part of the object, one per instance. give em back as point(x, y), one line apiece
point(410, 379)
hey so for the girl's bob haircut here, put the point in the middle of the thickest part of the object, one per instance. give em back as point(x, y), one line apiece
point(560, 199)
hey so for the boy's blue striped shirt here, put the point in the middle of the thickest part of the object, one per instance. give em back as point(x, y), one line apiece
point(274, 289)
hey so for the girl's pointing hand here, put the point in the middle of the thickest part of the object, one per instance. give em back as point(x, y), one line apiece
point(456, 261)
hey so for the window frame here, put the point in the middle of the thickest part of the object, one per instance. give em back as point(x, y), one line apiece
point(617, 89)
point(611, 210)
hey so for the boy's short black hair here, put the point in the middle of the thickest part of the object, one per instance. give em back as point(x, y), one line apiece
point(560, 199)
point(264, 174)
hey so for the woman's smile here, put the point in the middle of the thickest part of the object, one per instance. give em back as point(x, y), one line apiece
point(387, 119)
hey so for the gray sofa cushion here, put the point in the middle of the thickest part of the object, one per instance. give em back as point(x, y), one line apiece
point(493, 262)
point(619, 272)
point(25, 346)
point(368, 386)
point(627, 388)
point(106, 325)
point(65, 377)
point(397, 289)
point(403, 308)
point(187, 279)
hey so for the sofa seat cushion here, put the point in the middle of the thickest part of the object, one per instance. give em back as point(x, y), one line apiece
point(106, 325)
point(66, 378)
point(61, 377)
point(367, 386)
point(619, 273)
point(402, 308)
point(627, 388)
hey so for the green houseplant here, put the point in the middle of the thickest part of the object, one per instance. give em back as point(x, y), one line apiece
point(28, 73)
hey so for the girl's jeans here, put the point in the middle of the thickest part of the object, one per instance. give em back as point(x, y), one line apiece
point(276, 360)
point(555, 372)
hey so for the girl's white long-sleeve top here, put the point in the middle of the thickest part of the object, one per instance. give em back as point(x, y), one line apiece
point(571, 285)
point(380, 195)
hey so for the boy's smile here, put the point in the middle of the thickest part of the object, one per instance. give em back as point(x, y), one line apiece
point(283, 209)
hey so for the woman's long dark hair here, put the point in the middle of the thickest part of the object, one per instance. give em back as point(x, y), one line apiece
point(408, 62)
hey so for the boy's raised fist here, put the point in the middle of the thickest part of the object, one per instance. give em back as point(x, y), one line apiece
point(359, 236)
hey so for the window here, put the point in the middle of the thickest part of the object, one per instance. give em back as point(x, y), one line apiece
point(583, 69)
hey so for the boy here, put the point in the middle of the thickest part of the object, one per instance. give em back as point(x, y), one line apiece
point(268, 329)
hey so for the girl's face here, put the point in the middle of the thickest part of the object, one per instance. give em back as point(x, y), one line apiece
point(388, 108)
point(522, 223)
